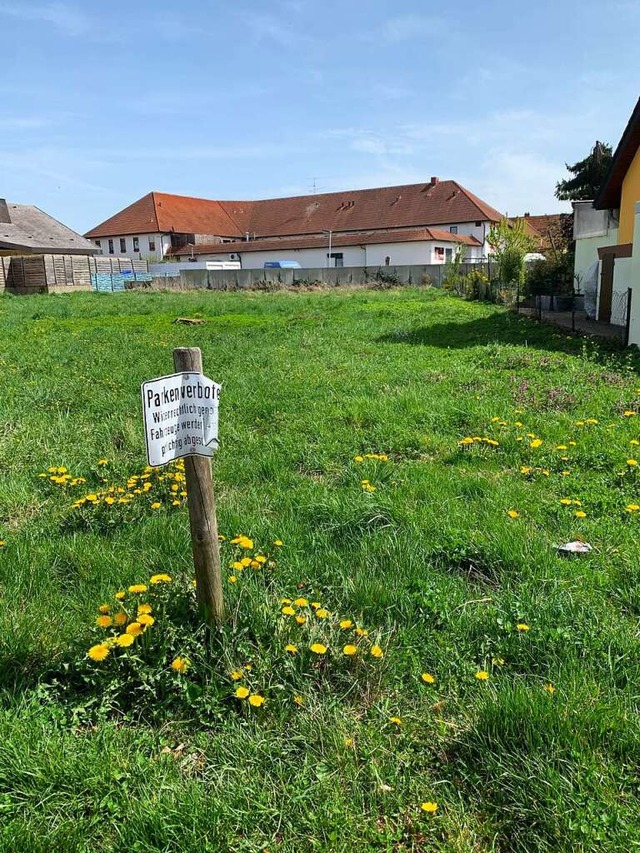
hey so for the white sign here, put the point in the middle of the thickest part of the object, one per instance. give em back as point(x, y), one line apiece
point(180, 417)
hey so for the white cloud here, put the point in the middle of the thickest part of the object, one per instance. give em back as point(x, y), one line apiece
point(405, 27)
point(65, 18)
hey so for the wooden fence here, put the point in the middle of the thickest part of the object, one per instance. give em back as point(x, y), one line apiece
point(24, 274)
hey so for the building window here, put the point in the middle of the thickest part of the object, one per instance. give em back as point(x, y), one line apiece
point(97, 242)
point(439, 253)
point(123, 245)
point(136, 244)
point(337, 258)
point(454, 229)
point(478, 224)
point(448, 253)
point(111, 247)
point(152, 244)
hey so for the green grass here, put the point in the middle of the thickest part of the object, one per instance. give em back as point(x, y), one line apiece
point(429, 561)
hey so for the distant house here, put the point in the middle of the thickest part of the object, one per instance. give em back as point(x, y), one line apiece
point(619, 202)
point(386, 226)
point(27, 230)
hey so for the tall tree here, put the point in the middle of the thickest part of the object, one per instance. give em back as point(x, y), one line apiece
point(588, 175)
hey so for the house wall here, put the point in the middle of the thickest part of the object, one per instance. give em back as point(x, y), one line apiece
point(470, 229)
point(374, 254)
point(630, 195)
point(634, 325)
point(163, 244)
point(591, 230)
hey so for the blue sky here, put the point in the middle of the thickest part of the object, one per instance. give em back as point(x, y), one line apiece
point(103, 102)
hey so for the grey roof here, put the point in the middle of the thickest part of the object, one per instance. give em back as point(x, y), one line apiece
point(33, 231)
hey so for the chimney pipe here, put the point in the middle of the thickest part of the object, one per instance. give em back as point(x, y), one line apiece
point(4, 211)
point(435, 180)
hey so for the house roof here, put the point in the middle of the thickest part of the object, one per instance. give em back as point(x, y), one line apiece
point(610, 192)
point(406, 206)
point(164, 213)
point(550, 230)
point(26, 228)
point(337, 241)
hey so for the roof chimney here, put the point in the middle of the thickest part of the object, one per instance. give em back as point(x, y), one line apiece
point(4, 211)
point(435, 181)
point(527, 214)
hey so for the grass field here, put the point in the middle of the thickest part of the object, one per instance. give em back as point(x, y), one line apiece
point(525, 731)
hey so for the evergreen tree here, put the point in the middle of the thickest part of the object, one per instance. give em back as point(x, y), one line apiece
point(588, 175)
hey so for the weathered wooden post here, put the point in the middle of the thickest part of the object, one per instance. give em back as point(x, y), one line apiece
point(181, 421)
point(202, 512)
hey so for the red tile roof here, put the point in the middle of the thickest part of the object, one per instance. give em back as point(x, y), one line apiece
point(407, 206)
point(313, 242)
point(164, 213)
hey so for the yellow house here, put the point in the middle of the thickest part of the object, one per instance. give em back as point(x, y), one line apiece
point(620, 272)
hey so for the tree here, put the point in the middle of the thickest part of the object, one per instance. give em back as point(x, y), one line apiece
point(510, 241)
point(588, 175)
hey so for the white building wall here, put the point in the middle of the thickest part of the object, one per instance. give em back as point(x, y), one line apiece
point(634, 283)
point(162, 245)
point(371, 255)
point(592, 229)
point(470, 229)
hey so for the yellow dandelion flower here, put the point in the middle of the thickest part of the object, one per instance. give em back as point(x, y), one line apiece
point(135, 629)
point(232, 579)
point(318, 649)
point(288, 610)
point(482, 675)
point(345, 624)
point(103, 462)
point(156, 505)
point(429, 807)
point(285, 601)
point(138, 588)
point(348, 742)
point(362, 632)
point(522, 626)
point(565, 501)
point(634, 441)
point(260, 558)
point(120, 619)
point(497, 661)
point(315, 604)
point(98, 652)
point(632, 463)
point(242, 692)
point(525, 469)
point(301, 602)
point(632, 507)
point(293, 650)
point(109, 501)
point(256, 700)
point(144, 608)
point(358, 458)
point(395, 720)
point(254, 564)
point(245, 562)
point(549, 688)
point(428, 678)
point(376, 652)
point(180, 664)
point(162, 578)
point(580, 513)
point(536, 442)
point(278, 543)
point(236, 675)
point(512, 513)
point(350, 650)
point(104, 621)
point(104, 608)
point(298, 700)
point(146, 619)
point(124, 640)
point(629, 413)
point(322, 613)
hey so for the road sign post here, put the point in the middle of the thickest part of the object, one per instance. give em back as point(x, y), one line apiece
point(181, 420)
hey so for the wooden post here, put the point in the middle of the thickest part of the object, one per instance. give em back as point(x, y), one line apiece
point(202, 512)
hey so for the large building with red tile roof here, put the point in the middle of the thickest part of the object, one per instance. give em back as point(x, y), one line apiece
point(410, 224)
